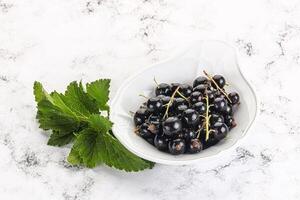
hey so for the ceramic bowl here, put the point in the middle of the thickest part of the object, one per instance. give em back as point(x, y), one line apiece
point(213, 56)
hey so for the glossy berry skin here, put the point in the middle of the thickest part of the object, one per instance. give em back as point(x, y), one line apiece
point(220, 130)
point(154, 119)
point(171, 126)
point(200, 88)
point(189, 134)
point(194, 146)
point(140, 116)
point(200, 80)
point(200, 107)
point(144, 131)
point(220, 80)
point(161, 142)
point(180, 109)
point(219, 104)
point(216, 118)
point(234, 98)
point(154, 105)
point(174, 86)
point(228, 110)
point(229, 121)
point(211, 95)
point(195, 97)
point(164, 99)
point(150, 140)
point(176, 146)
point(163, 89)
point(190, 118)
point(185, 90)
point(180, 101)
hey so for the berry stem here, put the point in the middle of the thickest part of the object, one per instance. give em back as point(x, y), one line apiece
point(155, 81)
point(207, 119)
point(141, 95)
point(170, 102)
point(182, 96)
point(220, 89)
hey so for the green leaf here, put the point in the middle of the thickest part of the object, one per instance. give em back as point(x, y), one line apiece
point(39, 92)
point(74, 157)
point(117, 156)
point(59, 139)
point(99, 90)
point(79, 101)
point(87, 147)
point(99, 123)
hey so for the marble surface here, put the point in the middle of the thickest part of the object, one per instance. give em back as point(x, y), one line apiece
point(58, 41)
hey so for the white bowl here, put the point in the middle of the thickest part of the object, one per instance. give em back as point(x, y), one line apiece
point(213, 56)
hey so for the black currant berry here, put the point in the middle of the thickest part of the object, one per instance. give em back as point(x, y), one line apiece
point(194, 146)
point(185, 90)
point(140, 116)
point(180, 101)
point(180, 109)
point(154, 105)
point(190, 118)
point(174, 86)
point(189, 134)
point(200, 88)
point(228, 110)
point(163, 89)
point(161, 142)
point(211, 94)
point(220, 130)
point(234, 98)
point(220, 80)
point(219, 104)
point(229, 121)
point(171, 126)
point(200, 107)
point(200, 80)
point(214, 118)
point(150, 140)
point(176, 146)
point(195, 97)
point(144, 132)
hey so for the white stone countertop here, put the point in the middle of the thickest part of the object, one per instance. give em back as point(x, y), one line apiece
point(59, 41)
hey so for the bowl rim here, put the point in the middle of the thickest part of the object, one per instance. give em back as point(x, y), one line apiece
point(180, 162)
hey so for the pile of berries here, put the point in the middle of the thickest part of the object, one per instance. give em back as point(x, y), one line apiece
point(187, 119)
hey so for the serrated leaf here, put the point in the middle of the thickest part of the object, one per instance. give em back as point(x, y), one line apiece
point(99, 90)
point(59, 139)
point(88, 147)
point(117, 156)
point(74, 157)
point(39, 92)
point(79, 101)
point(99, 123)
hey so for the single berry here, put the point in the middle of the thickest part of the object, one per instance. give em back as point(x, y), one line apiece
point(214, 118)
point(194, 146)
point(174, 86)
point(171, 126)
point(163, 89)
point(154, 104)
point(144, 132)
point(180, 101)
point(190, 118)
point(211, 94)
point(195, 97)
point(150, 140)
point(234, 98)
point(161, 142)
point(200, 107)
point(219, 104)
point(228, 110)
point(154, 119)
point(229, 121)
point(200, 88)
point(189, 134)
point(140, 116)
point(220, 80)
point(200, 80)
point(185, 90)
point(164, 99)
point(220, 130)
point(176, 146)
point(180, 109)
